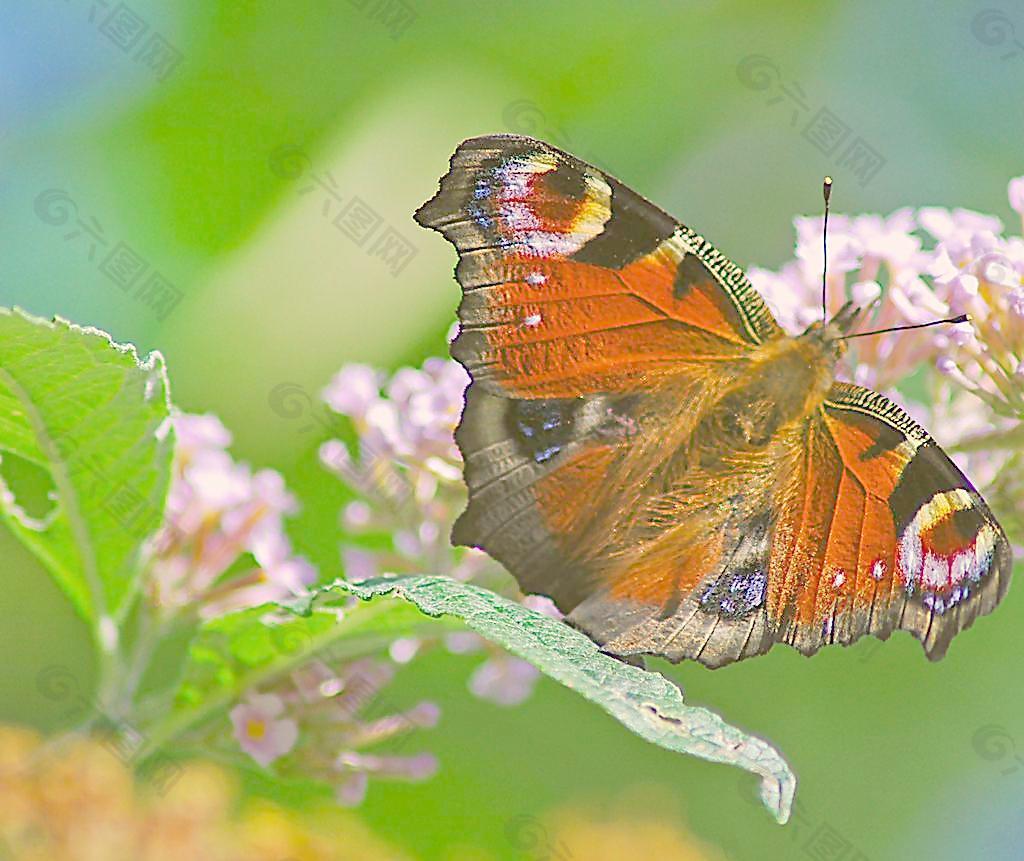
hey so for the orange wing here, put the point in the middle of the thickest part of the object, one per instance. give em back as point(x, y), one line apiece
point(591, 323)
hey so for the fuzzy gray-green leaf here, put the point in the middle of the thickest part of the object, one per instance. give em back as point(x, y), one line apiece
point(646, 702)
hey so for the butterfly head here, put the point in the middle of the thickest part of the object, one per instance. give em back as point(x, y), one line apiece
point(831, 335)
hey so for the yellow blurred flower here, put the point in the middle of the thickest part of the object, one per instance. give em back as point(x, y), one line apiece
point(75, 800)
point(642, 824)
point(587, 837)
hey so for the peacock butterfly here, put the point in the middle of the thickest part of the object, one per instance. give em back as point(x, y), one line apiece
point(645, 445)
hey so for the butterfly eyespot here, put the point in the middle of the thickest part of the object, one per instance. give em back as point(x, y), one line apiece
point(545, 205)
point(945, 550)
point(564, 182)
point(541, 428)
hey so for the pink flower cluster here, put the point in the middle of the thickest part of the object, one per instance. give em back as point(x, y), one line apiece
point(223, 548)
point(405, 467)
point(407, 473)
point(332, 708)
point(916, 267)
point(223, 545)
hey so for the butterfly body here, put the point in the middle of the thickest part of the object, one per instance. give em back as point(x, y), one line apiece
point(644, 444)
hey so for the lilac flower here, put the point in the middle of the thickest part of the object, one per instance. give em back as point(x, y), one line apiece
point(914, 268)
point(863, 253)
point(356, 769)
point(341, 712)
point(353, 389)
point(218, 511)
point(405, 466)
point(223, 547)
point(413, 420)
point(279, 575)
point(982, 274)
point(260, 729)
point(1015, 191)
point(889, 240)
point(464, 642)
point(543, 605)
point(795, 300)
point(957, 229)
point(359, 564)
point(199, 432)
point(504, 680)
point(845, 249)
point(408, 474)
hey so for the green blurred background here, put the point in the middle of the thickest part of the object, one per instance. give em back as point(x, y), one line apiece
point(220, 157)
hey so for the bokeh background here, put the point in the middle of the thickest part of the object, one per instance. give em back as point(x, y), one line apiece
point(219, 141)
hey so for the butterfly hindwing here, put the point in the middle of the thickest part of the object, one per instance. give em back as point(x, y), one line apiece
point(718, 612)
point(527, 463)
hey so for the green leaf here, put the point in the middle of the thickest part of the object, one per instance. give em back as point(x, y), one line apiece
point(646, 702)
point(94, 418)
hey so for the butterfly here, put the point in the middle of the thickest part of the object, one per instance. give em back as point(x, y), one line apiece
point(646, 446)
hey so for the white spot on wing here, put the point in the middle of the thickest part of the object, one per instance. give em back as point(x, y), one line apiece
point(984, 550)
point(911, 554)
point(936, 572)
point(961, 564)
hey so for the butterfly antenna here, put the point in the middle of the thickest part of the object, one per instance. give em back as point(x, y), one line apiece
point(963, 318)
point(827, 192)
